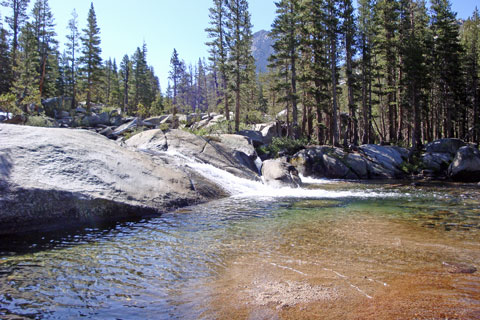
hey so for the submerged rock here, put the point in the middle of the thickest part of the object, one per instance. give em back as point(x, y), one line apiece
point(58, 177)
point(459, 268)
point(466, 165)
point(279, 173)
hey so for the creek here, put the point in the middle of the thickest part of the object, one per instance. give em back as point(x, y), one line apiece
point(331, 250)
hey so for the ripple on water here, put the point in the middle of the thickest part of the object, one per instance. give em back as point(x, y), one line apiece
point(246, 256)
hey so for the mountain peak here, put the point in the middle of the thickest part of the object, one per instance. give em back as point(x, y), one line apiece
point(262, 49)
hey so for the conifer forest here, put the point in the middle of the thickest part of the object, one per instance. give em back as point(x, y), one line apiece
point(403, 72)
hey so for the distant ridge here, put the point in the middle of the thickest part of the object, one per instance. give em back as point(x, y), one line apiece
point(262, 49)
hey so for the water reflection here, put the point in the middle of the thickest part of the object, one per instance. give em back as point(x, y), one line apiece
point(236, 253)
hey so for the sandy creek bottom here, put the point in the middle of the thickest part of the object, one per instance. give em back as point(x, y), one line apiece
point(390, 251)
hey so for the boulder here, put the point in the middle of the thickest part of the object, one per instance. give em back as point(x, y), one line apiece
point(232, 153)
point(62, 115)
point(80, 110)
point(436, 162)
point(107, 132)
point(447, 145)
point(54, 178)
point(372, 162)
point(52, 106)
point(279, 173)
point(384, 161)
point(255, 136)
point(156, 120)
point(269, 131)
point(330, 162)
point(466, 165)
point(126, 127)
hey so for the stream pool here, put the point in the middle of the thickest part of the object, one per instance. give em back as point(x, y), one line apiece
point(340, 250)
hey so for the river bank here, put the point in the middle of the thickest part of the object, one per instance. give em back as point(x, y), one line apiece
point(52, 177)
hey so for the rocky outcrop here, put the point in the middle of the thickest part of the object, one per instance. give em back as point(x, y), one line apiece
point(466, 165)
point(56, 177)
point(439, 155)
point(371, 162)
point(279, 173)
point(232, 153)
point(447, 145)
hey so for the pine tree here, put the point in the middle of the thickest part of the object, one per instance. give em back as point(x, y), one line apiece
point(44, 30)
point(366, 31)
point(25, 85)
point(387, 15)
point(91, 61)
point(315, 68)
point(16, 21)
point(448, 80)
point(349, 36)
point(471, 43)
point(5, 62)
point(240, 43)
point(219, 51)
point(72, 46)
point(125, 67)
point(332, 23)
point(176, 73)
point(286, 35)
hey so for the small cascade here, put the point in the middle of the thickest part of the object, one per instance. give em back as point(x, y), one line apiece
point(244, 188)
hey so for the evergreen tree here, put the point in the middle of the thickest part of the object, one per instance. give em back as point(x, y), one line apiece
point(240, 43)
point(286, 35)
point(5, 62)
point(387, 40)
point(315, 68)
point(471, 43)
point(25, 85)
point(349, 32)
point(72, 46)
point(16, 21)
point(447, 68)
point(91, 61)
point(176, 73)
point(366, 29)
point(125, 67)
point(219, 51)
point(332, 24)
point(44, 30)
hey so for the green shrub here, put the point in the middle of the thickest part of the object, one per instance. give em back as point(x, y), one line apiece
point(41, 121)
point(287, 145)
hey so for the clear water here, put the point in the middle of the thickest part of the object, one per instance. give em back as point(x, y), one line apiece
point(336, 250)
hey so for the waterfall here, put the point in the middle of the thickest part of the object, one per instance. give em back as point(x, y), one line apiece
point(245, 188)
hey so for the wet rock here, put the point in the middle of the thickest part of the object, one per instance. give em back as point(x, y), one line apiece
point(57, 177)
point(279, 173)
point(447, 145)
point(459, 268)
point(466, 165)
point(232, 153)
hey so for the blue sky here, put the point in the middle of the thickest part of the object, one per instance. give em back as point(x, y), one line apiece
point(164, 25)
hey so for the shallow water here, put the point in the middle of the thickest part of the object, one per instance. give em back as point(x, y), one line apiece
point(338, 250)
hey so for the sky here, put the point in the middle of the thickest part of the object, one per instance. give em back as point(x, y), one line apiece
point(164, 25)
